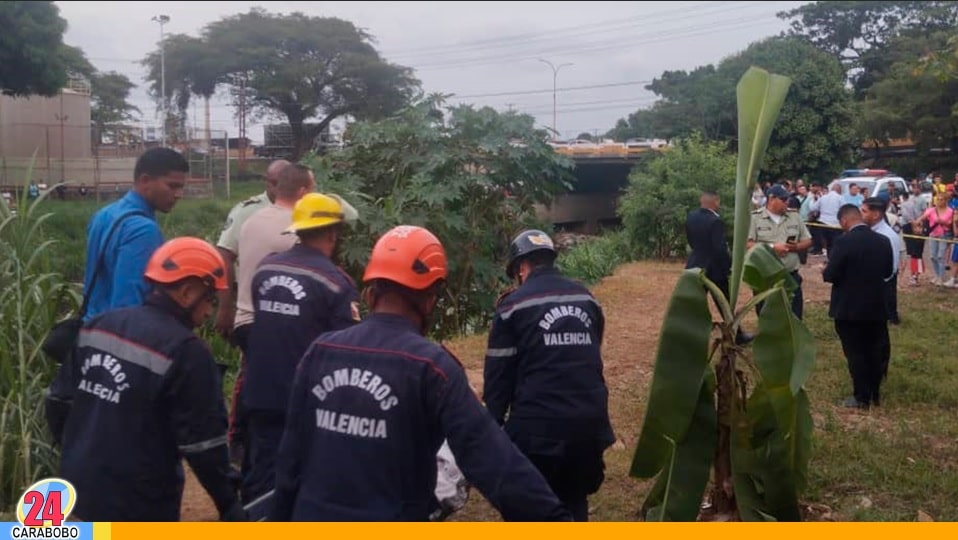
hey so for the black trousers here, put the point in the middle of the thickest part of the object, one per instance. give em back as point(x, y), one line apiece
point(572, 478)
point(913, 246)
point(865, 344)
point(891, 298)
point(829, 235)
point(265, 432)
point(817, 240)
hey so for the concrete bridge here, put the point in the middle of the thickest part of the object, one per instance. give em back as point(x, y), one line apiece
point(592, 202)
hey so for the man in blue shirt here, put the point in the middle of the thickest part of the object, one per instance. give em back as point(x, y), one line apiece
point(854, 196)
point(115, 262)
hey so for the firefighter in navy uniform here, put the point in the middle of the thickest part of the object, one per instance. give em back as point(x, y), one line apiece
point(544, 368)
point(297, 295)
point(372, 404)
point(148, 394)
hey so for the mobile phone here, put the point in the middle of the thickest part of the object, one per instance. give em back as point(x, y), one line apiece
point(792, 239)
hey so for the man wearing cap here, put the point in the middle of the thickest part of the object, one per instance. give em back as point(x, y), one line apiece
point(785, 234)
point(543, 373)
point(296, 295)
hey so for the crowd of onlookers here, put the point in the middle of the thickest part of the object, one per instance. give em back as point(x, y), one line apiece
point(926, 214)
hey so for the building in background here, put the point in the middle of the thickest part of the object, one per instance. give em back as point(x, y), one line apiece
point(55, 127)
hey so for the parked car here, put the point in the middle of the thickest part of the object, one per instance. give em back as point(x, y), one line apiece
point(875, 184)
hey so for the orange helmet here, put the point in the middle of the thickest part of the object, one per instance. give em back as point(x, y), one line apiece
point(408, 255)
point(187, 257)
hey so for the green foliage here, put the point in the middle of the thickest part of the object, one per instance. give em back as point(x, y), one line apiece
point(32, 295)
point(638, 125)
point(760, 98)
point(663, 190)
point(758, 432)
point(447, 170)
point(292, 65)
point(682, 358)
point(33, 57)
point(109, 102)
point(913, 102)
point(816, 134)
point(596, 258)
point(858, 33)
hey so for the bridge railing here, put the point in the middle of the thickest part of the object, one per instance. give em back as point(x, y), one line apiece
point(607, 150)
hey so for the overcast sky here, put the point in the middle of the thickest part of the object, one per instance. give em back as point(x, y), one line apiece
point(486, 52)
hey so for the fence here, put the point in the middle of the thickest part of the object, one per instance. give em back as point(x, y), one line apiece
point(68, 155)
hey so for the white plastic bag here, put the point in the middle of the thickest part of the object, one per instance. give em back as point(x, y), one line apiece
point(452, 489)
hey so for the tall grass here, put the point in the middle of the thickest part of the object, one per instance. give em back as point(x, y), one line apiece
point(32, 296)
point(596, 258)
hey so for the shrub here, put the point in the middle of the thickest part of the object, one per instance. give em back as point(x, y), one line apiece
point(469, 176)
point(663, 191)
point(595, 258)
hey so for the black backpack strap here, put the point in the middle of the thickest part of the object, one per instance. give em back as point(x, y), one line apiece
point(99, 260)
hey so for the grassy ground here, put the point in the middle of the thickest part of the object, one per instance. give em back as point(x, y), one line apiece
point(194, 217)
point(883, 465)
point(886, 464)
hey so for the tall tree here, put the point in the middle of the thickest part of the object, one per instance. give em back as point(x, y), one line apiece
point(816, 132)
point(33, 57)
point(109, 102)
point(857, 33)
point(912, 101)
point(295, 66)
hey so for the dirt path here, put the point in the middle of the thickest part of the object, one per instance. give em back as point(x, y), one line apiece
point(634, 301)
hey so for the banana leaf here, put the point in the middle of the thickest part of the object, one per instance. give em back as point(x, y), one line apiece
point(784, 350)
point(769, 459)
point(760, 99)
point(677, 493)
point(764, 270)
point(683, 355)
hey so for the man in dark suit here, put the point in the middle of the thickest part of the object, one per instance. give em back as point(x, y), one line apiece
point(705, 232)
point(857, 267)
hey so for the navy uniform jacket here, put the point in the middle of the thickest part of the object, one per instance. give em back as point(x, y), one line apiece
point(147, 394)
point(297, 295)
point(370, 408)
point(544, 366)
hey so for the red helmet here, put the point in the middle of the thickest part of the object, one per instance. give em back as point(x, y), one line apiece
point(408, 255)
point(187, 257)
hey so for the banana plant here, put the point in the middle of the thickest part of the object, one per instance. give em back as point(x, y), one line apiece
point(735, 415)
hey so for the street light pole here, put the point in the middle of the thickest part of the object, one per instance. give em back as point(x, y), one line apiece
point(162, 19)
point(555, 76)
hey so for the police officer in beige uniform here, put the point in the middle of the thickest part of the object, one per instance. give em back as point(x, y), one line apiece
point(784, 233)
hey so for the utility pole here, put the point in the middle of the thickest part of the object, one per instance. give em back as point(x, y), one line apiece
point(162, 19)
point(555, 76)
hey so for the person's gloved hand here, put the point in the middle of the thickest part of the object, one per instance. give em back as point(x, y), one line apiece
point(236, 512)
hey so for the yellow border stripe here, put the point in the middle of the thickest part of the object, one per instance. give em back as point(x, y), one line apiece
point(102, 531)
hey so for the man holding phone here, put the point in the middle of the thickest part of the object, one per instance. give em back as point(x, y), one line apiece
point(785, 234)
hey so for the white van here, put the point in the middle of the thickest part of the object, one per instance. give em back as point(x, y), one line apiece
point(875, 184)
